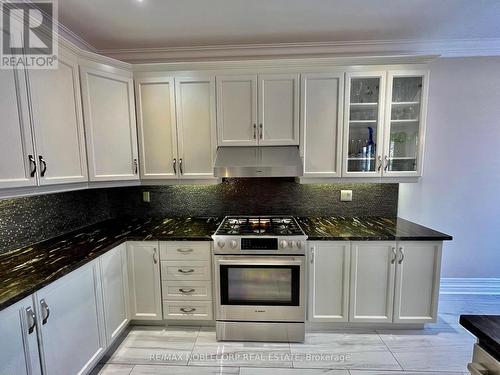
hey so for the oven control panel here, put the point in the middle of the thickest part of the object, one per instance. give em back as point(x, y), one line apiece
point(259, 245)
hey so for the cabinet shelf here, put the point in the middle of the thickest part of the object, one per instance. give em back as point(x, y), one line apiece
point(406, 120)
point(405, 103)
point(362, 121)
point(363, 104)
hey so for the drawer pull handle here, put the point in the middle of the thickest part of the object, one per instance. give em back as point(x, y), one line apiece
point(477, 369)
point(188, 311)
point(186, 291)
point(185, 251)
point(186, 271)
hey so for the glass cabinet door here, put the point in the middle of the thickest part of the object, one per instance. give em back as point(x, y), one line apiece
point(364, 112)
point(404, 124)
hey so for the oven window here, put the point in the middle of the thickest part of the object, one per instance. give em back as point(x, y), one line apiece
point(260, 285)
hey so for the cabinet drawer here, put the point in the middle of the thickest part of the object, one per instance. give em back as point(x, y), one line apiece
point(185, 250)
point(186, 290)
point(185, 270)
point(194, 310)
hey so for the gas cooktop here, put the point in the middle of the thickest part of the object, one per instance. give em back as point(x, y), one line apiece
point(259, 225)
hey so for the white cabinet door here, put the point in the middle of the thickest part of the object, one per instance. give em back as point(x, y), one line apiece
point(278, 109)
point(373, 265)
point(110, 126)
point(329, 281)
point(57, 122)
point(237, 110)
point(156, 121)
point(19, 346)
point(195, 103)
point(363, 124)
point(115, 291)
point(144, 280)
point(71, 321)
point(322, 96)
point(417, 282)
point(17, 156)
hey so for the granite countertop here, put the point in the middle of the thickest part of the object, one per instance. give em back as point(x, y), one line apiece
point(367, 229)
point(26, 270)
point(487, 329)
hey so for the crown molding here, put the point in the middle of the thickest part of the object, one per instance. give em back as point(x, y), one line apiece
point(444, 48)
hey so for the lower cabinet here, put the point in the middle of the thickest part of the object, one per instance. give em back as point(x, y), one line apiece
point(186, 273)
point(69, 313)
point(19, 346)
point(115, 291)
point(328, 281)
point(144, 280)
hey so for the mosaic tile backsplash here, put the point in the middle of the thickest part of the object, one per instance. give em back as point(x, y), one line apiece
point(31, 219)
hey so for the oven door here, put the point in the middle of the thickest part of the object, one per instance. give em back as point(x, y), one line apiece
point(260, 288)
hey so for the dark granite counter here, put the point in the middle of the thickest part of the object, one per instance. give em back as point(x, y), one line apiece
point(487, 330)
point(24, 271)
point(367, 229)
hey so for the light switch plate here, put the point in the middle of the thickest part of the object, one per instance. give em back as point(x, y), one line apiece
point(345, 195)
point(146, 197)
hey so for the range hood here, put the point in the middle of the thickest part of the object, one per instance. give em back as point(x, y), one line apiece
point(263, 161)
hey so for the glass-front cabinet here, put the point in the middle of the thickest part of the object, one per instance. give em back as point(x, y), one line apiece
point(404, 123)
point(384, 123)
point(364, 115)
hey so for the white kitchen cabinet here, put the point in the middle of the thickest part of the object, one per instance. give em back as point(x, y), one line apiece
point(19, 347)
point(417, 281)
point(71, 321)
point(373, 265)
point(237, 110)
point(57, 122)
point(328, 281)
point(156, 122)
point(114, 279)
point(258, 110)
point(278, 103)
point(322, 96)
point(196, 128)
point(144, 280)
point(17, 155)
point(110, 124)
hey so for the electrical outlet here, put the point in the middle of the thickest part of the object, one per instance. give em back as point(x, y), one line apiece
point(146, 197)
point(345, 195)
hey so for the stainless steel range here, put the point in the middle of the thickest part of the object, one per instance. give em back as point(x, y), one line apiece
point(259, 267)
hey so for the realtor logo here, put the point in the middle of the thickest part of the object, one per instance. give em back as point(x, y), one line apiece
point(29, 38)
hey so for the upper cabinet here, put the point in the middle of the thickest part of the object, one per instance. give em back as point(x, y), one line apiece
point(384, 123)
point(258, 110)
point(321, 123)
point(110, 125)
point(177, 131)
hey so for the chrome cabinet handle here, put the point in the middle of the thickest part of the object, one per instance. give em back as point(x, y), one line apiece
point(136, 167)
point(185, 251)
point(43, 163)
point(260, 131)
point(187, 311)
point(33, 162)
point(386, 163)
point(402, 251)
point(155, 256)
point(186, 291)
point(312, 255)
point(175, 165)
point(254, 131)
point(185, 271)
point(379, 163)
point(393, 260)
point(31, 320)
point(477, 369)
point(45, 311)
point(180, 166)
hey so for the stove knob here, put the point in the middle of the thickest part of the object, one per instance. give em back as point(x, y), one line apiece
point(300, 244)
point(291, 244)
point(234, 244)
point(221, 244)
point(283, 244)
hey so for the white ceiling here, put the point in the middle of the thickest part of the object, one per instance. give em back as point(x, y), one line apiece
point(133, 24)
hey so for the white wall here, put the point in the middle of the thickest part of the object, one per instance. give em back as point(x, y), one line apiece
point(460, 191)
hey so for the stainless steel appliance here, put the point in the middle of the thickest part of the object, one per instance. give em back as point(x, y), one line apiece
point(259, 267)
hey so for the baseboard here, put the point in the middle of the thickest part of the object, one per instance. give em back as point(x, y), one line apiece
point(488, 286)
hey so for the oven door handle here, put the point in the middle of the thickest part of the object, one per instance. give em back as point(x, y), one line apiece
point(260, 261)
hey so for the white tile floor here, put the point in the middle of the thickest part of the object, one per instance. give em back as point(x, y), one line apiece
point(443, 348)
